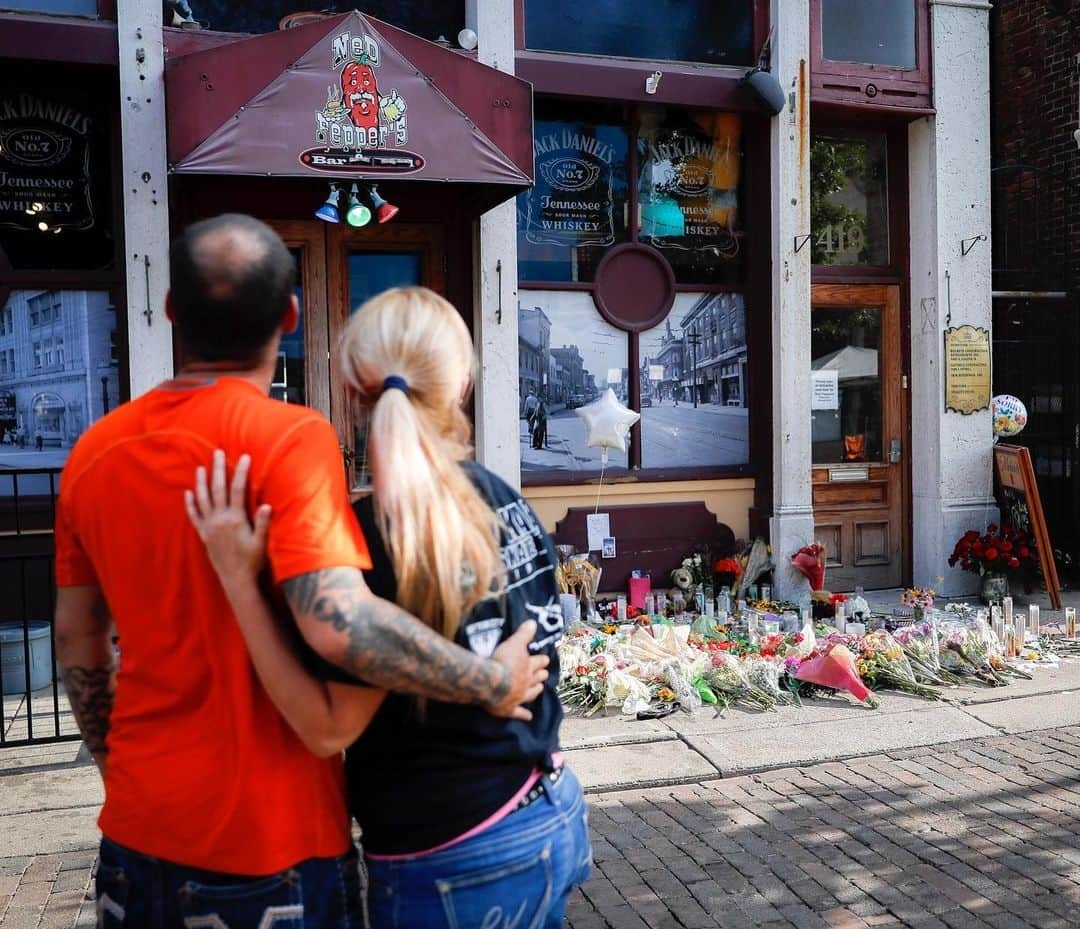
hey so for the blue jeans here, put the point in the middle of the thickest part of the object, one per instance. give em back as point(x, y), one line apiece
point(516, 875)
point(140, 892)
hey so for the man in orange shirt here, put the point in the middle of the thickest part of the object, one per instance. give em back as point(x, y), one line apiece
point(215, 814)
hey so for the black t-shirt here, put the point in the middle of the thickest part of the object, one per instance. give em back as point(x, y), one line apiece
point(416, 780)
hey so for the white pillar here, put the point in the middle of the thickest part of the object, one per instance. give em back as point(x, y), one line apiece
point(792, 522)
point(495, 317)
point(146, 200)
point(951, 476)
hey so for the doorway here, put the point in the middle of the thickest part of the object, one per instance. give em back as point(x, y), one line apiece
point(859, 430)
point(338, 269)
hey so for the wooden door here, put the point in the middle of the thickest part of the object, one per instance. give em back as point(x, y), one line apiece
point(859, 434)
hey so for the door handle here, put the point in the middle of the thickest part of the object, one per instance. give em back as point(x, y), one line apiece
point(895, 451)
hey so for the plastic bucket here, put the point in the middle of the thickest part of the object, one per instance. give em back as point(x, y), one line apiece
point(13, 657)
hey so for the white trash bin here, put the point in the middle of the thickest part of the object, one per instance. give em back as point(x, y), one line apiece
point(13, 657)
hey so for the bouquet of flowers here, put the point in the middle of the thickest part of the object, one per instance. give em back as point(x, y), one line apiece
point(584, 686)
point(726, 678)
point(921, 598)
point(964, 649)
point(882, 664)
point(810, 561)
point(1005, 552)
point(834, 667)
point(726, 572)
point(920, 644)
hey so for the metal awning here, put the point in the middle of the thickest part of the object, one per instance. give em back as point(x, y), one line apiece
point(348, 98)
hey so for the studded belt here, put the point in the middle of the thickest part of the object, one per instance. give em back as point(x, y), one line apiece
point(537, 790)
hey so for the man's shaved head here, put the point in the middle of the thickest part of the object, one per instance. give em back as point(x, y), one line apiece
point(231, 281)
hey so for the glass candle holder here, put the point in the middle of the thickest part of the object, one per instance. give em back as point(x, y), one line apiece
point(1019, 629)
point(1033, 619)
point(1007, 609)
point(1071, 630)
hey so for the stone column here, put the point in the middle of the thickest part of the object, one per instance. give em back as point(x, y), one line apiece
point(495, 318)
point(951, 475)
point(146, 201)
point(792, 522)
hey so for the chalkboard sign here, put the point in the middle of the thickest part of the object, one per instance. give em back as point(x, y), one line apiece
point(1022, 509)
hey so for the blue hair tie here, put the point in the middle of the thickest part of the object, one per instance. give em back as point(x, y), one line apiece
point(393, 382)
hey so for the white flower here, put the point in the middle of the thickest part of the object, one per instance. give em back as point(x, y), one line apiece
point(697, 559)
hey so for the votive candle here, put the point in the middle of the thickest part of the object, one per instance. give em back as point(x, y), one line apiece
point(1071, 630)
point(1007, 607)
point(1020, 629)
point(1033, 619)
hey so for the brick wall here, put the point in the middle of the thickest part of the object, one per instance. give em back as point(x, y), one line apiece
point(1035, 79)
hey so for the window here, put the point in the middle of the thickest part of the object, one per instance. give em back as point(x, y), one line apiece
point(47, 404)
point(674, 348)
point(35, 319)
point(873, 32)
point(689, 164)
point(574, 356)
point(849, 203)
point(75, 7)
point(428, 19)
point(7, 322)
point(719, 32)
point(871, 51)
point(578, 206)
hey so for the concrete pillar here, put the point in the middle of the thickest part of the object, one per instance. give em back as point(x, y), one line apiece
point(146, 209)
point(952, 483)
point(495, 316)
point(792, 522)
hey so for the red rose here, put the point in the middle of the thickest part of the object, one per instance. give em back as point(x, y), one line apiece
point(992, 527)
point(971, 535)
point(977, 549)
point(991, 554)
point(1006, 546)
point(1014, 562)
point(1024, 551)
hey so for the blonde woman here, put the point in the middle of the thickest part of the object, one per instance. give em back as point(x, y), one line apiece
point(467, 820)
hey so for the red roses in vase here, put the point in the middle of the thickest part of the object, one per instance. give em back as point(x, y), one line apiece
point(994, 552)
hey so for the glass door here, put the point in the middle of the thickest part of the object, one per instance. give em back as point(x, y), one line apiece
point(859, 434)
point(362, 263)
point(338, 269)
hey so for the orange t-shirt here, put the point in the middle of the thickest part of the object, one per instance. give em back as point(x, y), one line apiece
point(203, 770)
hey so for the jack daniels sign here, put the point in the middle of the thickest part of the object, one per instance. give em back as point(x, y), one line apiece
point(54, 171)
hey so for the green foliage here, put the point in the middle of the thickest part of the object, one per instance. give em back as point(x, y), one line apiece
point(833, 165)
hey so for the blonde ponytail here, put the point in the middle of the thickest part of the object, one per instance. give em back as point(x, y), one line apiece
point(441, 534)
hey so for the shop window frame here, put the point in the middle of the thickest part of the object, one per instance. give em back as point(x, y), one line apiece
point(613, 78)
point(875, 86)
point(756, 292)
point(112, 280)
point(896, 157)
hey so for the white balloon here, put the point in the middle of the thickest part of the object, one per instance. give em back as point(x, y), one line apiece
point(607, 421)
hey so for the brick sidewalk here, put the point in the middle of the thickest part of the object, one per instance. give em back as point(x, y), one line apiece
point(47, 891)
point(974, 835)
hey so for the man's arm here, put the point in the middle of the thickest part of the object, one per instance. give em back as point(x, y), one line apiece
point(85, 654)
point(380, 643)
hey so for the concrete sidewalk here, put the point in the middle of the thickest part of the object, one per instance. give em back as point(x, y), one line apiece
point(51, 795)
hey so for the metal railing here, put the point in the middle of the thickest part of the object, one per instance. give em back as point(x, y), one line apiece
point(33, 708)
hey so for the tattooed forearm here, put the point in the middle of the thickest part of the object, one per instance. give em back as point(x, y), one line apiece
point(386, 646)
point(90, 692)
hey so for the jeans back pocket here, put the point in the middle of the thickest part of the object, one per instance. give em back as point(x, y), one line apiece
point(111, 889)
point(274, 902)
point(511, 895)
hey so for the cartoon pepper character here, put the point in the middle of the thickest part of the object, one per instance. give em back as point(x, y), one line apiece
point(360, 93)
